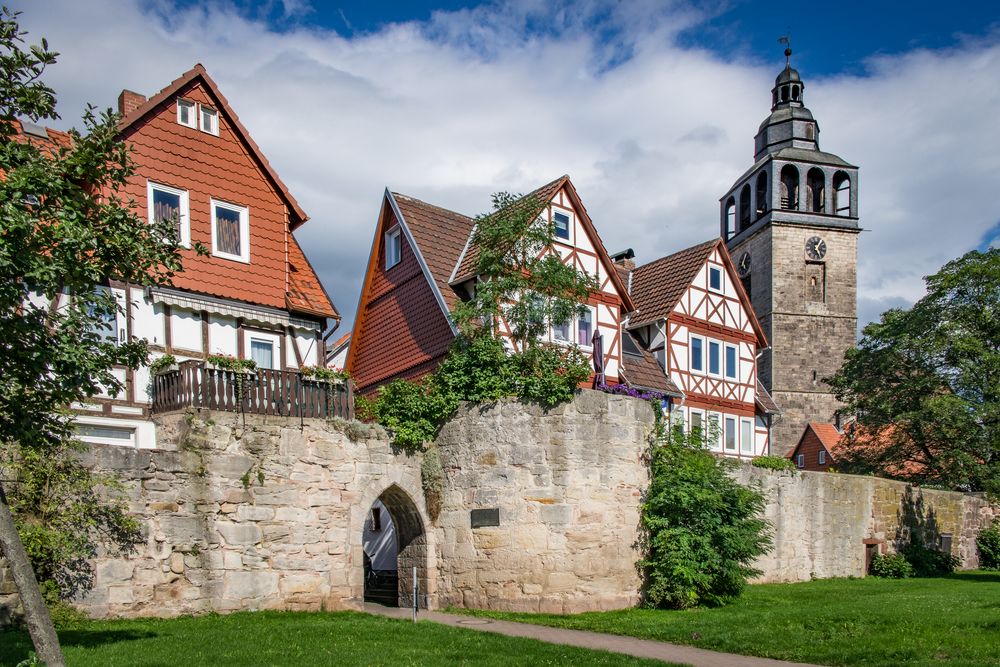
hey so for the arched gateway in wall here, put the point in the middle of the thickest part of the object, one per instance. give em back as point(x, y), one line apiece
point(405, 523)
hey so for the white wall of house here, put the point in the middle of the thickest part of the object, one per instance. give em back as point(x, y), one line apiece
point(379, 538)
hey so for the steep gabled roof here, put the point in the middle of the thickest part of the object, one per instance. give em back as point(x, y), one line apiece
point(659, 285)
point(469, 260)
point(298, 216)
point(764, 400)
point(440, 235)
point(827, 434)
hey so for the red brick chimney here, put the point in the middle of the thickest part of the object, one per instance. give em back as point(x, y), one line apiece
point(129, 102)
point(624, 259)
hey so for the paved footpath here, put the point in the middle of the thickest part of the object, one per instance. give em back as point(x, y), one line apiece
point(640, 648)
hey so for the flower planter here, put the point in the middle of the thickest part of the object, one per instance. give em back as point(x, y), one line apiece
point(169, 368)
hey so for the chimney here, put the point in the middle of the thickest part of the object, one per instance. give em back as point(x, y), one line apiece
point(624, 259)
point(129, 102)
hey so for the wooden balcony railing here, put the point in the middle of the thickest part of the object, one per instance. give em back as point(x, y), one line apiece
point(264, 392)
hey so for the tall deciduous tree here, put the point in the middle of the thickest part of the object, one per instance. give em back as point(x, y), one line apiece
point(924, 383)
point(65, 230)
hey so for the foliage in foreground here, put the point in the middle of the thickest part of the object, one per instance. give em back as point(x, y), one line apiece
point(932, 622)
point(519, 285)
point(923, 384)
point(345, 639)
point(891, 566)
point(772, 462)
point(988, 543)
point(702, 530)
point(65, 230)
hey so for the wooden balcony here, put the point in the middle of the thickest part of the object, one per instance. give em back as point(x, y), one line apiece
point(263, 392)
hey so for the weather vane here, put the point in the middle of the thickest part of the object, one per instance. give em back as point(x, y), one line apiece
point(786, 39)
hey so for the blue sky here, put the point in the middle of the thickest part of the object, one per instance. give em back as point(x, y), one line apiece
point(651, 107)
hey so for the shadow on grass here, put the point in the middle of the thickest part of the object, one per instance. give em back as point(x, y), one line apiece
point(976, 577)
point(16, 644)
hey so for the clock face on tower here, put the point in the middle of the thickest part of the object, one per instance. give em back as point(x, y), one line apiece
point(815, 248)
point(744, 264)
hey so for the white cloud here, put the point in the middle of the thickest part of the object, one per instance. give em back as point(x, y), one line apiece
point(509, 97)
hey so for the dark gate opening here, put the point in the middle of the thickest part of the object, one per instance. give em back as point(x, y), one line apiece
point(394, 543)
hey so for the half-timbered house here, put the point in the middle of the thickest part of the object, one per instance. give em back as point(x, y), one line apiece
point(254, 295)
point(694, 316)
point(423, 262)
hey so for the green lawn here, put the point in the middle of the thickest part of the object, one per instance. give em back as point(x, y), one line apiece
point(947, 621)
point(287, 638)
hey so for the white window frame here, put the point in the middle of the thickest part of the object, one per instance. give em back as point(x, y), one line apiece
point(715, 443)
point(192, 116)
point(244, 212)
point(735, 377)
point(704, 355)
point(589, 345)
point(708, 358)
point(98, 440)
point(704, 424)
point(800, 461)
point(822, 457)
point(393, 247)
point(185, 236)
point(250, 335)
point(213, 114)
point(722, 283)
point(736, 434)
point(569, 226)
point(748, 444)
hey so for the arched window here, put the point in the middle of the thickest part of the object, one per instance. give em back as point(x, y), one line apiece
point(745, 207)
point(761, 194)
point(730, 218)
point(784, 93)
point(795, 93)
point(816, 190)
point(842, 194)
point(789, 188)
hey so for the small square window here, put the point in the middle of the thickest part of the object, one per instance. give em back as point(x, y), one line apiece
point(230, 231)
point(713, 358)
point(209, 120)
point(393, 247)
point(822, 457)
point(561, 223)
point(169, 204)
point(185, 112)
point(715, 278)
point(262, 352)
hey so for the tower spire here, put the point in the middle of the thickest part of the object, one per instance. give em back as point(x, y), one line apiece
point(786, 39)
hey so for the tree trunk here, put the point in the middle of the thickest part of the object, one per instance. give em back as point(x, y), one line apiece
point(43, 633)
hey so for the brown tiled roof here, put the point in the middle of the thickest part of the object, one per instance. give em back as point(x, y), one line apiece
point(440, 235)
point(306, 293)
point(645, 372)
point(765, 401)
point(297, 214)
point(659, 285)
point(470, 258)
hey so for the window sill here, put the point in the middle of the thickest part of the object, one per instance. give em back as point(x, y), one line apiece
point(231, 258)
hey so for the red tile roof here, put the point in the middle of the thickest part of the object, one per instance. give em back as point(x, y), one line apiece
point(645, 372)
point(827, 434)
point(306, 293)
point(198, 71)
point(440, 236)
point(659, 285)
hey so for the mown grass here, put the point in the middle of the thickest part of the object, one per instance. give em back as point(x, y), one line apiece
point(952, 621)
point(300, 639)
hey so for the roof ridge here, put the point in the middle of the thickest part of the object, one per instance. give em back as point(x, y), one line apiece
point(658, 260)
point(428, 204)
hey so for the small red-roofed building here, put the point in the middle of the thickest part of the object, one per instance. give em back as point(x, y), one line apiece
point(815, 448)
point(694, 318)
point(254, 295)
point(423, 263)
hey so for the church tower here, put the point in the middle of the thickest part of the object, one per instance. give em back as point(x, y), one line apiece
point(791, 224)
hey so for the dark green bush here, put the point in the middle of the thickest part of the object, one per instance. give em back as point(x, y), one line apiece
point(928, 562)
point(891, 566)
point(703, 530)
point(988, 543)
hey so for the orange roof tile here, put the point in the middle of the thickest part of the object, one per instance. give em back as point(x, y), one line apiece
point(306, 293)
point(827, 434)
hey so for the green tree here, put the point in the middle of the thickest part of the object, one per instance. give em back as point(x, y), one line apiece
point(703, 531)
point(924, 383)
point(65, 230)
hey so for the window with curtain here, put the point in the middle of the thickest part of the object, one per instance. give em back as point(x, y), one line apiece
point(262, 352)
point(585, 329)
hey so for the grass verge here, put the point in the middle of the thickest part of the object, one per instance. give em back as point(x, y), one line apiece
point(952, 621)
point(301, 639)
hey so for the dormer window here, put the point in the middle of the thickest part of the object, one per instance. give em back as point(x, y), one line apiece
point(209, 120)
point(186, 112)
point(393, 248)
